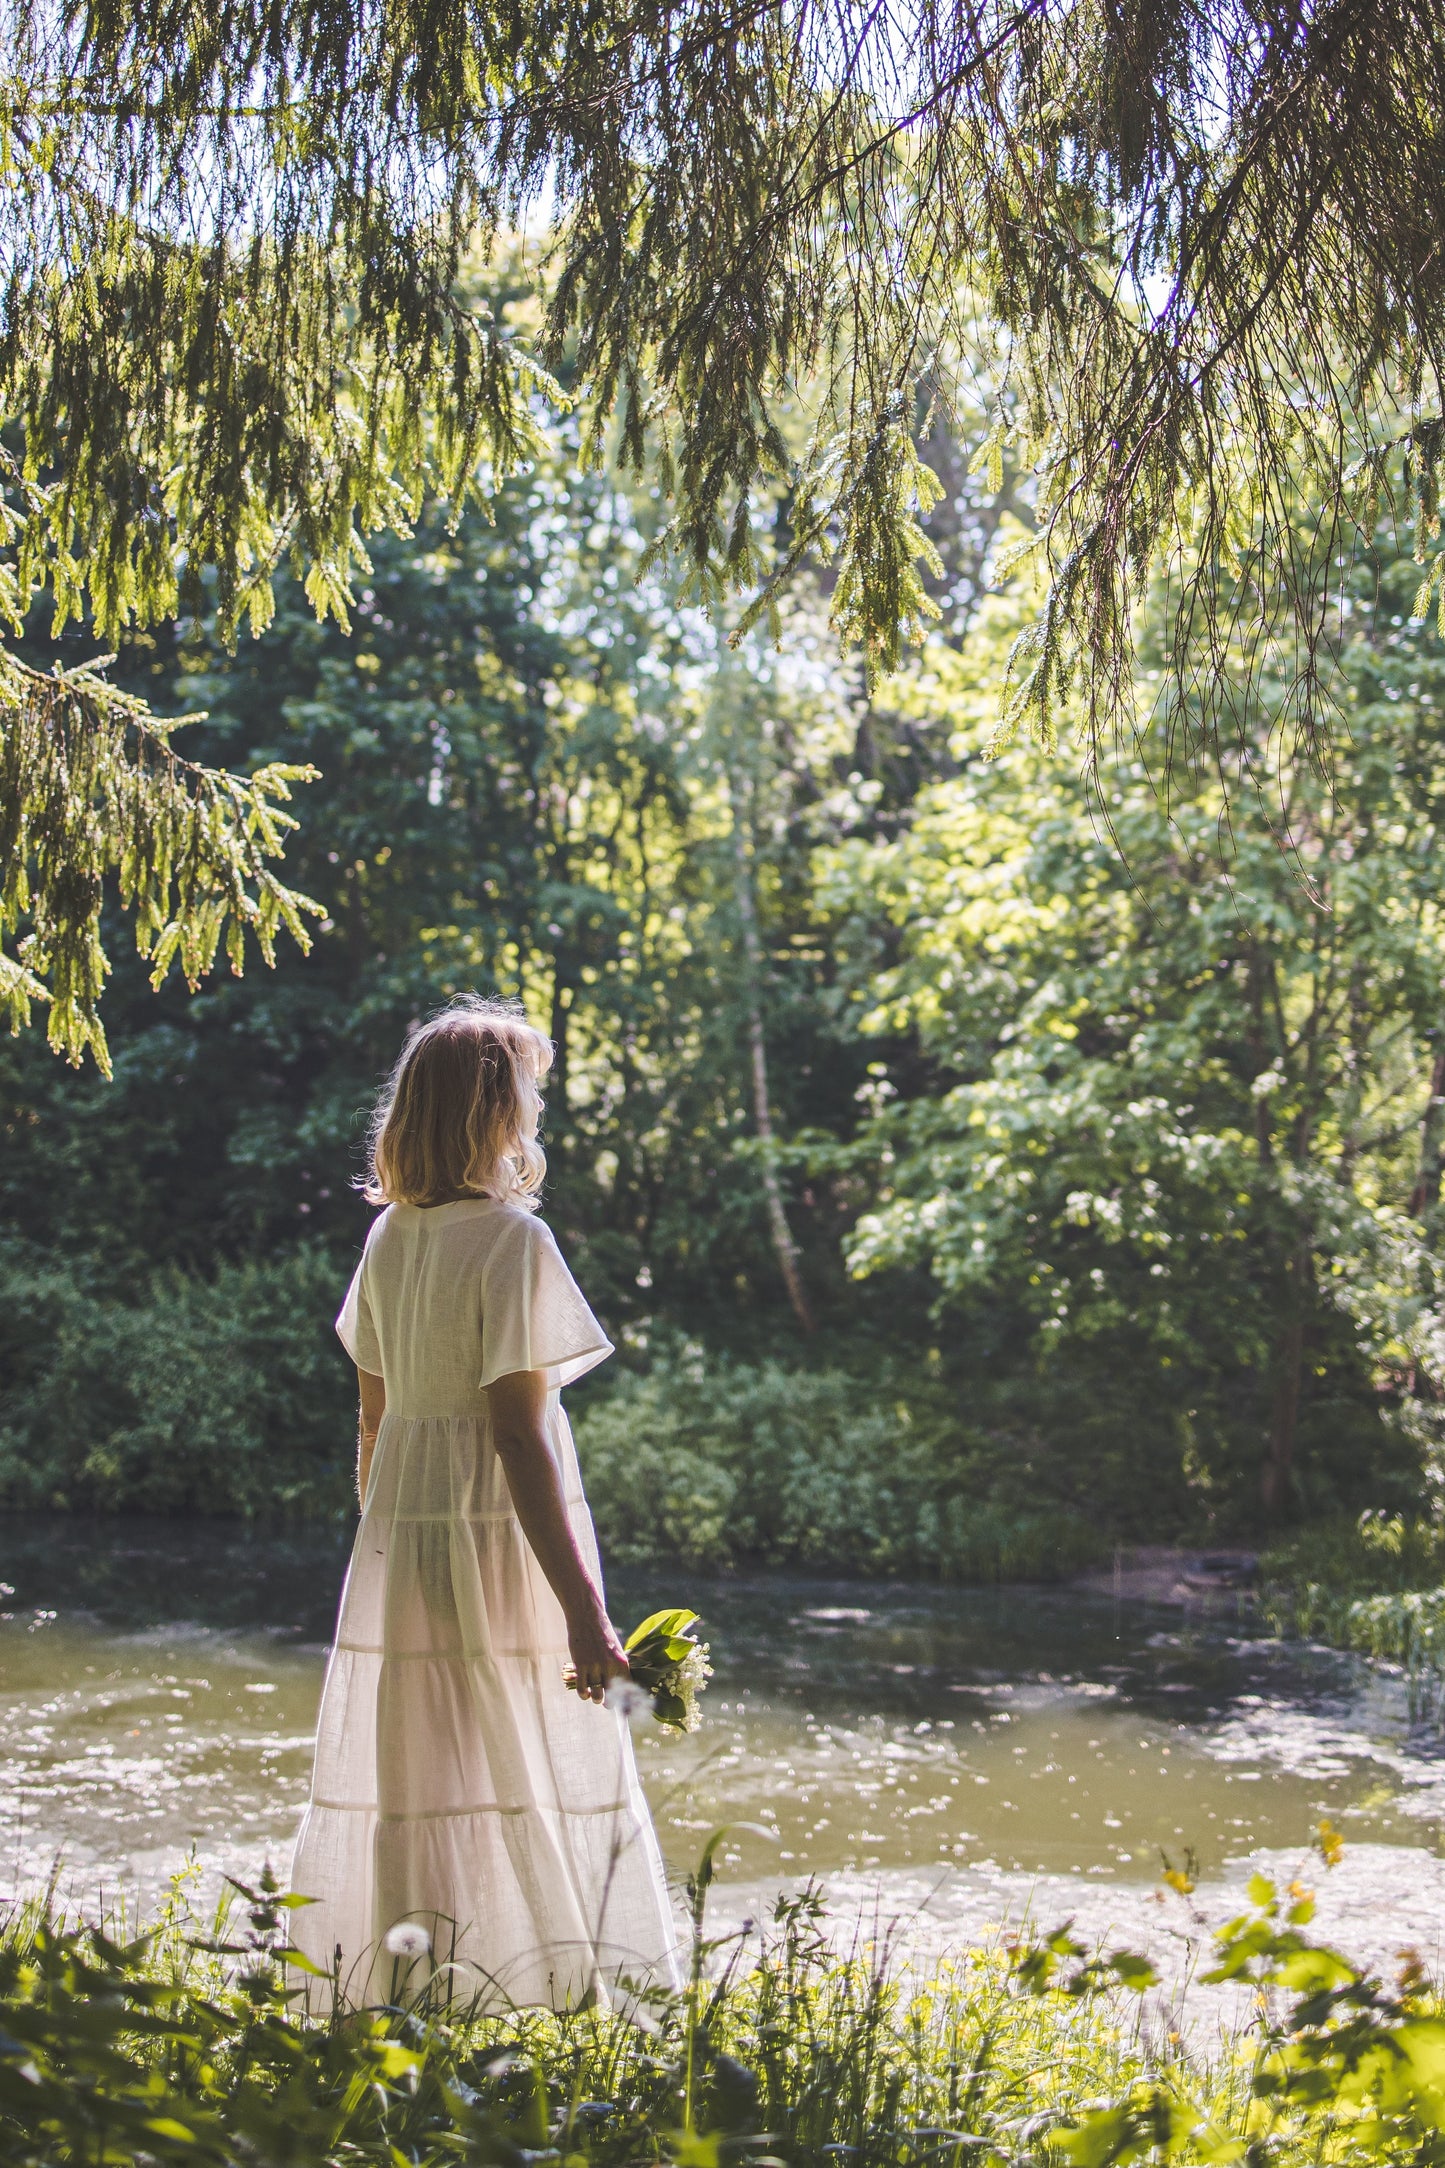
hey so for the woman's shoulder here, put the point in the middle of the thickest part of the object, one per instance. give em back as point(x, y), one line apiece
point(479, 1228)
point(522, 1245)
point(519, 1229)
point(483, 1228)
point(375, 1238)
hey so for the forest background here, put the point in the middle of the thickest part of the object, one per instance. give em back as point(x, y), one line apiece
point(978, 1158)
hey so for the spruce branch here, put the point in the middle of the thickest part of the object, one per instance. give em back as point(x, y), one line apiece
point(1187, 248)
point(93, 793)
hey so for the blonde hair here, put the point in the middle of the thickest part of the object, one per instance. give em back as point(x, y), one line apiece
point(449, 1122)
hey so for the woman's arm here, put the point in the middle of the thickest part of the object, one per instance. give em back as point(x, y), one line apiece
point(519, 1430)
point(373, 1407)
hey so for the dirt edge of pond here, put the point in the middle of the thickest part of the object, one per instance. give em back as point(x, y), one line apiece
point(1212, 1580)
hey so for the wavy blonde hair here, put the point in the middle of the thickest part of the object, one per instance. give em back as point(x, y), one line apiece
point(449, 1123)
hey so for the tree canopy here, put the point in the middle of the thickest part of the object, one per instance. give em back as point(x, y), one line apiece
point(1111, 1166)
point(1185, 260)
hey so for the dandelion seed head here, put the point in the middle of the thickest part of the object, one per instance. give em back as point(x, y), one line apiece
point(406, 1939)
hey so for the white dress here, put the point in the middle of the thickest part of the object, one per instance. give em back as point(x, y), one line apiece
point(458, 1785)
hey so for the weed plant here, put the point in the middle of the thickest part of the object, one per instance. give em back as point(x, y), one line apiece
point(1374, 1585)
point(174, 2047)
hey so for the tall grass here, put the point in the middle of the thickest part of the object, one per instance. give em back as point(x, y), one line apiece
point(179, 2046)
point(1376, 1585)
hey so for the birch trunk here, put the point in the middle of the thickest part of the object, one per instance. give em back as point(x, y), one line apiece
point(1426, 1193)
point(784, 1247)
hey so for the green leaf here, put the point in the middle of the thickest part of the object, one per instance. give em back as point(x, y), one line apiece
point(669, 1624)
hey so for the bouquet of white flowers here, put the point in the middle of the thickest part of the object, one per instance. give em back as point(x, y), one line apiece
point(670, 1664)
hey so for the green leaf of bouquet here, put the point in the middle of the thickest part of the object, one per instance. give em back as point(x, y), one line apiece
point(669, 1623)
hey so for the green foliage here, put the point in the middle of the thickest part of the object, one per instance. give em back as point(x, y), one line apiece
point(226, 1394)
point(93, 792)
point(239, 323)
point(1178, 1133)
point(721, 1463)
point(181, 2052)
point(525, 788)
point(1120, 1174)
point(1343, 1560)
point(140, 2048)
point(1348, 2070)
point(1374, 1585)
point(174, 2046)
point(1408, 1630)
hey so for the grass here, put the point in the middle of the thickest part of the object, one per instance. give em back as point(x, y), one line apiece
point(180, 2046)
point(1376, 1585)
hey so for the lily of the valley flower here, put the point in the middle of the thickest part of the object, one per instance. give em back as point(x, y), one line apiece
point(669, 1662)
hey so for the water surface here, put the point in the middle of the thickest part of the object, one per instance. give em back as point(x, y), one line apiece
point(159, 1683)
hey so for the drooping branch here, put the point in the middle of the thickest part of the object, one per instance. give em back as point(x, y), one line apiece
point(1186, 249)
point(92, 793)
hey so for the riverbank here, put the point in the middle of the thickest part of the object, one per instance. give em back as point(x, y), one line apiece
point(1373, 1586)
point(1210, 1580)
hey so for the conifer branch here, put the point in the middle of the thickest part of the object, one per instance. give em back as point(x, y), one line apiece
point(93, 796)
point(1187, 248)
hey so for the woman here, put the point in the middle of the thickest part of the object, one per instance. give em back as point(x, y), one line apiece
point(466, 1793)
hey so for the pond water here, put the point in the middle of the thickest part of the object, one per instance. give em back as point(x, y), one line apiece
point(950, 1755)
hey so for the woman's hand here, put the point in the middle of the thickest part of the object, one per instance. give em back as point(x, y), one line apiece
point(596, 1652)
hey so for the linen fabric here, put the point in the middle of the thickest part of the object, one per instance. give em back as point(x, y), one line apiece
point(458, 1785)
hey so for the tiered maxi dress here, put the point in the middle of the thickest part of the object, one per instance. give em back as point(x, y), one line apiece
point(458, 1785)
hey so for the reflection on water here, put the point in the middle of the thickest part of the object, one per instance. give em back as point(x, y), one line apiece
point(1035, 1731)
point(158, 1688)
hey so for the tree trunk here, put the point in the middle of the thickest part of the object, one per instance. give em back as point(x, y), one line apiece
point(1277, 1484)
point(784, 1247)
point(1426, 1192)
point(557, 1032)
point(1261, 1055)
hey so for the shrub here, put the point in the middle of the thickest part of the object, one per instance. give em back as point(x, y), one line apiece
point(721, 1463)
point(1374, 1585)
point(1310, 1581)
point(220, 1395)
point(229, 1394)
